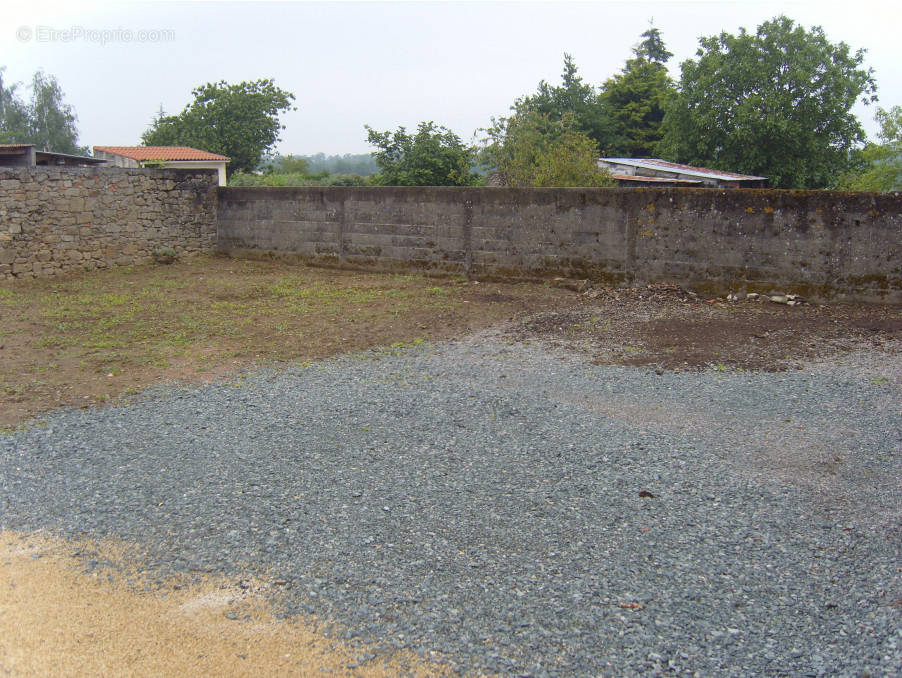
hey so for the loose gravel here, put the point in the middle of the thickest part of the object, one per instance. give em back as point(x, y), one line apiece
point(516, 509)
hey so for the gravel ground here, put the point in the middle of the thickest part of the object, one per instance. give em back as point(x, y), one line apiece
point(516, 509)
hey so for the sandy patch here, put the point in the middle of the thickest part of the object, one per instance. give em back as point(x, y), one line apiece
point(59, 618)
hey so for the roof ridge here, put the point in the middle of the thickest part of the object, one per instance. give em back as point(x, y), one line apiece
point(167, 153)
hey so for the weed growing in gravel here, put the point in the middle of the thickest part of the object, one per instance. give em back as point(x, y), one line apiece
point(34, 423)
point(418, 341)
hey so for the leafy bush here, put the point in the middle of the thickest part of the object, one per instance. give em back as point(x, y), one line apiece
point(164, 255)
point(433, 156)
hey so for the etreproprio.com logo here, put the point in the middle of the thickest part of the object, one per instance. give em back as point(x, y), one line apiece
point(98, 36)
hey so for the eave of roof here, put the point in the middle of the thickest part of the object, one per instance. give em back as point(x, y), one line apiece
point(85, 158)
point(665, 165)
point(654, 180)
point(165, 153)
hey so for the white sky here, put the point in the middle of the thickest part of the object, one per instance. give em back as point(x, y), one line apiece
point(382, 64)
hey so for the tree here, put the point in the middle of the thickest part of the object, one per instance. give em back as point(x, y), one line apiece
point(534, 149)
point(13, 113)
point(51, 120)
point(46, 121)
point(777, 104)
point(652, 47)
point(638, 96)
point(572, 98)
point(434, 156)
point(881, 164)
point(240, 121)
point(292, 164)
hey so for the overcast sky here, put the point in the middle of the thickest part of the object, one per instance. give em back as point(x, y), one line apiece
point(382, 64)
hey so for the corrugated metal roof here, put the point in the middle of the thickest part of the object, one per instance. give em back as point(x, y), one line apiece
point(653, 180)
point(146, 153)
point(13, 148)
point(68, 156)
point(658, 164)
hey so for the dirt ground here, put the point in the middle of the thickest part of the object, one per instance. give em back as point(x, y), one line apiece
point(84, 340)
point(97, 338)
point(669, 328)
point(94, 338)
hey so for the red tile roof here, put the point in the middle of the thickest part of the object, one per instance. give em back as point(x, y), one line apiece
point(145, 153)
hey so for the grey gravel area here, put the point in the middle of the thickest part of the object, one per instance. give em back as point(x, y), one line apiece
point(515, 509)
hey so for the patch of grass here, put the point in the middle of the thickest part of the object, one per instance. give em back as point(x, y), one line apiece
point(215, 314)
point(98, 343)
point(56, 341)
point(418, 341)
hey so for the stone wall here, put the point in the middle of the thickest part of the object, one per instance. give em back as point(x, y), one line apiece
point(817, 243)
point(58, 219)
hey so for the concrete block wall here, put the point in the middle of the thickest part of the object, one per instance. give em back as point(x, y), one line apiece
point(819, 243)
point(54, 220)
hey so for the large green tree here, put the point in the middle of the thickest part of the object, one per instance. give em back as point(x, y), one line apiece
point(575, 100)
point(51, 119)
point(240, 121)
point(534, 149)
point(433, 156)
point(880, 164)
point(652, 47)
point(638, 96)
point(776, 103)
point(46, 121)
point(13, 113)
